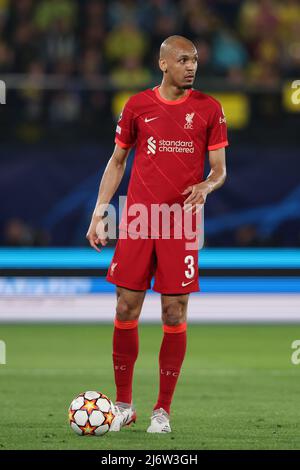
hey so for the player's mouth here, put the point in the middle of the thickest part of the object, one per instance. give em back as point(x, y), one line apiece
point(189, 77)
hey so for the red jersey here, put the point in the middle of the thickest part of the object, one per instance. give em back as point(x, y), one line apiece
point(171, 140)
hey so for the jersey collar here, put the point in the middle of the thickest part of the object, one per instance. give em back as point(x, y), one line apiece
point(171, 102)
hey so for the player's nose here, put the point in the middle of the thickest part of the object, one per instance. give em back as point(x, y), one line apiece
point(190, 66)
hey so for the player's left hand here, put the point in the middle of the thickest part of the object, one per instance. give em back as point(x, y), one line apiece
point(196, 200)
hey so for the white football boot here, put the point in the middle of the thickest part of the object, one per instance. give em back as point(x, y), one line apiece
point(160, 422)
point(125, 415)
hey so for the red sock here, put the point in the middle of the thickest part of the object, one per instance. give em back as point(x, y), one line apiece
point(171, 357)
point(125, 352)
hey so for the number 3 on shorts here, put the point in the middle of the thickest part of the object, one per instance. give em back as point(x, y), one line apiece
point(189, 261)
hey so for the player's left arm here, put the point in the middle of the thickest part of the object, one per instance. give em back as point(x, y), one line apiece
point(215, 179)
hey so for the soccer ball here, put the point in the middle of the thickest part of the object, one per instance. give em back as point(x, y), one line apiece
point(91, 413)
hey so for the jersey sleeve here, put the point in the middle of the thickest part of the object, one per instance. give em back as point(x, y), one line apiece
point(125, 131)
point(217, 130)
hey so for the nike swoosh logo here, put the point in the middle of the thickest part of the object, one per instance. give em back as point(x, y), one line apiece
point(184, 284)
point(151, 119)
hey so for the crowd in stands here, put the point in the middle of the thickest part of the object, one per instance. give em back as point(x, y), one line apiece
point(117, 42)
point(253, 40)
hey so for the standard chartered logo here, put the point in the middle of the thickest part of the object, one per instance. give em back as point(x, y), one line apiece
point(170, 146)
point(177, 146)
point(151, 145)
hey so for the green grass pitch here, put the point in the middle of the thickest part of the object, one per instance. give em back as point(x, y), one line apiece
point(238, 388)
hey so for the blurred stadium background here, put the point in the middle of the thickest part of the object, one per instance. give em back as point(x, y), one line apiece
point(68, 67)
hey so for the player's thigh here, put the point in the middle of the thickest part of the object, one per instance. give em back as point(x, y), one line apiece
point(129, 303)
point(177, 267)
point(174, 309)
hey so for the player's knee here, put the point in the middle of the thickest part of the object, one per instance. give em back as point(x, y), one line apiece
point(126, 312)
point(174, 313)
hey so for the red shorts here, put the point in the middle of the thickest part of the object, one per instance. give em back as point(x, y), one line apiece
point(173, 264)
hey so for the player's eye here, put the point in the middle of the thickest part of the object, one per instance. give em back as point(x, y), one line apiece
point(184, 60)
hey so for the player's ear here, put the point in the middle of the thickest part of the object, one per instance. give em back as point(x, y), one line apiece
point(162, 65)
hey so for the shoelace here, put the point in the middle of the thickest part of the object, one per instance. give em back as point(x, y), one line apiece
point(122, 406)
point(160, 417)
point(120, 409)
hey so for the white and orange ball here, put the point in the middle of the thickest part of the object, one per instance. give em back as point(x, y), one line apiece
point(91, 413)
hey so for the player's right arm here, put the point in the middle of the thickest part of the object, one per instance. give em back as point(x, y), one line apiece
point(109, 184)
point(125, 139)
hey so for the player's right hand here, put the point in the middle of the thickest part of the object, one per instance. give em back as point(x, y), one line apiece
point(96, 234)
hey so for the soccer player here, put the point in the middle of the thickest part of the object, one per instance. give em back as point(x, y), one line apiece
point(171, 126)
